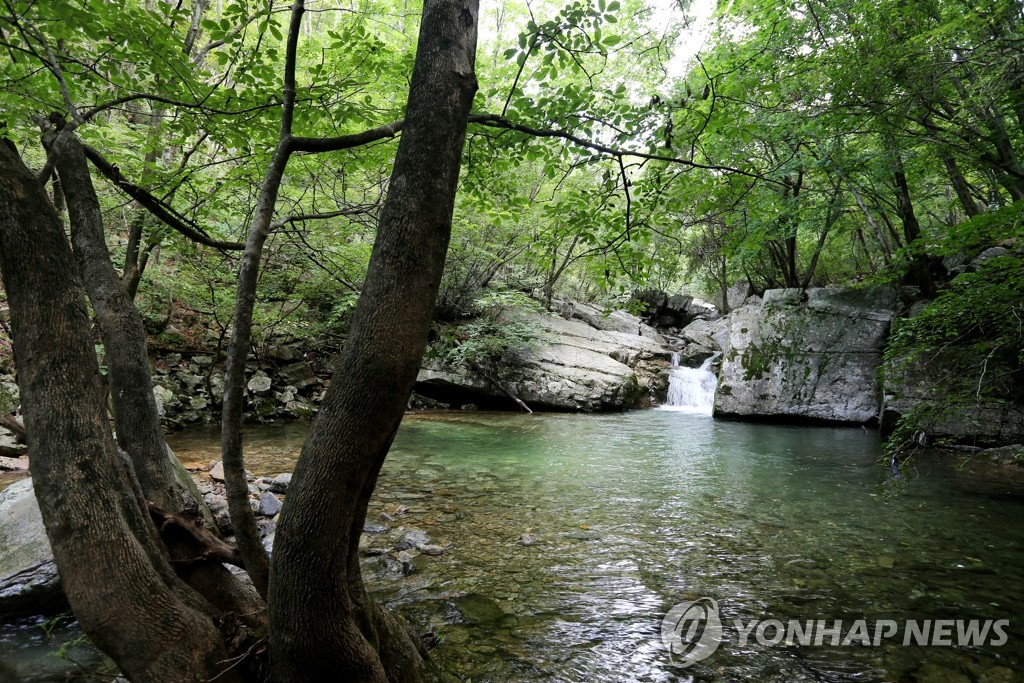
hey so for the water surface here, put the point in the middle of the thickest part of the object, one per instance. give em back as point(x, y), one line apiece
point(572, 535)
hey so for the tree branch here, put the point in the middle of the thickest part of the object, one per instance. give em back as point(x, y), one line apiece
point(495, 121)
point(317, 145)
point(156, 207)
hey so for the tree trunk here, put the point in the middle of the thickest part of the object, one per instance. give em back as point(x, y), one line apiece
point(124, 339)
point(911, 228)
point(960, 186)
point(316, 552)
point(244, 522)
point(121, 588)
point(163, 480)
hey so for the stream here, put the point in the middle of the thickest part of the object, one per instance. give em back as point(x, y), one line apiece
point(571, 536)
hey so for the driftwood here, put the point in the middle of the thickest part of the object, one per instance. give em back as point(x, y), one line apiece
point(209, 548)
point(501, 387)
point(14, 426)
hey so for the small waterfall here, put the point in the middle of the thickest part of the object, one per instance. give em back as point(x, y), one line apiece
point(691, 390)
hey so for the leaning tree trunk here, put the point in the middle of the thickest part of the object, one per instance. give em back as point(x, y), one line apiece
point(163, 480)
point(316, 558)
point(120, 586)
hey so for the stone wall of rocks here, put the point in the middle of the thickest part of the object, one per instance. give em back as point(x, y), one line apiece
point(285, 385)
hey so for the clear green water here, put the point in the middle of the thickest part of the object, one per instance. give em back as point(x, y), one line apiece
point(628, 514)
point(571, 536)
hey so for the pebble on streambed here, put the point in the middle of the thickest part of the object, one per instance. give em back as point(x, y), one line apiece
point(394, 547)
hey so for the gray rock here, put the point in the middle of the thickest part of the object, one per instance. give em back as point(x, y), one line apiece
point(216, 502)
point(299, 375)
point(908, 384)
point(374, 528)
point(413, 538)
point(286, 395)
point(735, 297)
point(29, 582)
point(573, 367)
point(217, 472)
point(816, 359)
point(609, 321)
point(166, 401)
point(432, 549)
point(13, 464)
point(266, 527)
point(711, 335)
point(391, 567)
point(260, 383)
point(300, 409)
point(202, 361)
point(662, 310)
point(269, 504)
point(988, 255)
point(1012, 455)
point(171, 359)
point(280, 482)
point(285, 352)
point(702, 310)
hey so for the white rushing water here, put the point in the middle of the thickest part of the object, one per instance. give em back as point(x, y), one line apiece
point(691, 390)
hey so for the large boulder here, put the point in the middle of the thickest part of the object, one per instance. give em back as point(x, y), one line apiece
point(951, 413)
point(609, 321)
point(813, 356)
point(573, 367)
point(29, 583)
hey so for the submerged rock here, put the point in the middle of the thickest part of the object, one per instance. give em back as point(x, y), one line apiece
point(413, 539)
point(813, 356)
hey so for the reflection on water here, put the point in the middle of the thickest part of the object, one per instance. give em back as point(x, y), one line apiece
point(573, 535)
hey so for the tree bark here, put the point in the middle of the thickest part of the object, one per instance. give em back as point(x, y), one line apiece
point(121, 588)
point(121, 328)
point(316, 559)
point(163, 480)
point(911, 227)
point(242, 519)
point(960, 186)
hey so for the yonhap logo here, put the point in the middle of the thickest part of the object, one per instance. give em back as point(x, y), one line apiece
point(692, 630)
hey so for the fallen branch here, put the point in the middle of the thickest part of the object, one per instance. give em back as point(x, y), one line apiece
point(504, 389)
point(210, 548)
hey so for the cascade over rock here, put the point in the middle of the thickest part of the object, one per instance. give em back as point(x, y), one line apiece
point(806, 357)
point(574, 366)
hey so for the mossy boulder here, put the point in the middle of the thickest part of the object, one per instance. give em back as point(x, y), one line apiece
point(806, 356)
